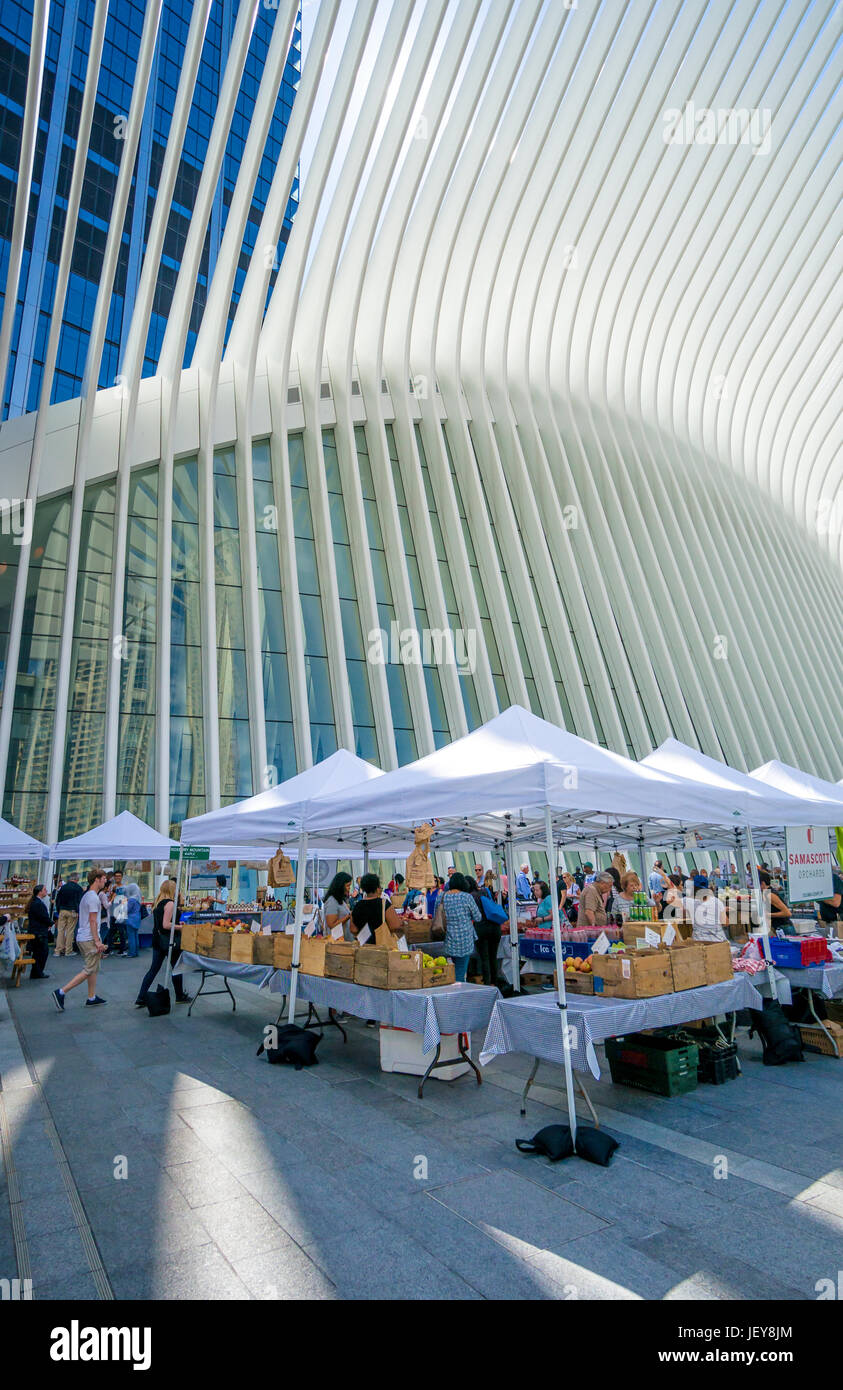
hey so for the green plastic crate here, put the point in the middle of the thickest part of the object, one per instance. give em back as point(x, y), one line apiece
point(653, 1063)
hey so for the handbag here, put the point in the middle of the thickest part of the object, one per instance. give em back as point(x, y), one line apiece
point(439, 927)
point(295, 1046)
point(492, 911)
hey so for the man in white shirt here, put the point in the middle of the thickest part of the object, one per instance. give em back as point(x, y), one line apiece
point(88, 942)
point(707, 912)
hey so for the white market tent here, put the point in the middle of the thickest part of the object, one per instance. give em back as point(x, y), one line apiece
point(518, 764)
point(15, 844)
point(125, 836)
point(829, 795)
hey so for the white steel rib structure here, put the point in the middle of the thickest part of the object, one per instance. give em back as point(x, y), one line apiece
point(550, 374)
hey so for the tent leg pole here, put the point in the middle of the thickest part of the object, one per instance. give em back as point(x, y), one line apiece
point(560, 979)
point(514, 953)
point(301, 884)
point(169, 976)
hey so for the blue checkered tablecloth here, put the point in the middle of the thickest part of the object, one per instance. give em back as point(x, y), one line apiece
point(258, 975)
point(825, 979)
point(533, 1025)
point(458, 1008)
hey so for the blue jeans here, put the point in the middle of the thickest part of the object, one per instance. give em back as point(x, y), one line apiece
point(461, 967)
point(133, 940)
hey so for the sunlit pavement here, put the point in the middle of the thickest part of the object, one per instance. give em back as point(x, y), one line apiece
point(160, 1158)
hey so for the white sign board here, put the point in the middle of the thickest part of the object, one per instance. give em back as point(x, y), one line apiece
point(808, 863)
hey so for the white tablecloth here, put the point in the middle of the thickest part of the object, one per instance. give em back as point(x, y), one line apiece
point(532, 1024)
point(458, 1008)
point(827, 980)
point(258, 975)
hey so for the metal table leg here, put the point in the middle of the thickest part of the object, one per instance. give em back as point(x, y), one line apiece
point(530, 1079)
point(314, 1021)
point(438, 1061)
point(207, 992)
point(819, 1022)
point(580, 1087)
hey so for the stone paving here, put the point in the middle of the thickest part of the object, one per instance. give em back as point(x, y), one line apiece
point(249, 1181)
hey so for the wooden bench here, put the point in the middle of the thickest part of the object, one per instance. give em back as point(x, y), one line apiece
point(22, 961)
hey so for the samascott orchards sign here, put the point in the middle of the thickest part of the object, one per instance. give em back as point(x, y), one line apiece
point(808, 863)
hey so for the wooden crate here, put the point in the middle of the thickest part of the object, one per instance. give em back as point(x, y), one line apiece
point(440, 977)
point(243, 947)
point(687, 964)
point(718, 961)
point(188, 937)
point(640, 974)
point(815, 1038)
point(204, 938)
point(380, 968)
point(339, 959)
point(417, 933)
point(576, 982)
point(263, 947)
point(312, 955)
point(221, 949)
point(282, 952)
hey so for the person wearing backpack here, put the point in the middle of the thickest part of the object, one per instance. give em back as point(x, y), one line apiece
point(488, 931)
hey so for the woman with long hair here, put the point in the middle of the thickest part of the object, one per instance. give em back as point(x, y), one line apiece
point(163, 914)
point(336, 908)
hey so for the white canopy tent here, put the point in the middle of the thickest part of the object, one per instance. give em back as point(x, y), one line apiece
point(15, 844)
point(829, 795)
point(122, 837)
point(518, 764)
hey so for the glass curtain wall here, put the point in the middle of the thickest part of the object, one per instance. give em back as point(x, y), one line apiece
point(232, 680)
point(280, 743)
point(319, 700)
point(187, 759)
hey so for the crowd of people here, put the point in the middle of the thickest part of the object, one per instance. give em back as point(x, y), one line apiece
point(468, 913)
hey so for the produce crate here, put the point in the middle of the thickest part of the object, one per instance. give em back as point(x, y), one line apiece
point(312, 954)
point(380, 968)
point(796, 952)
point(221, 948)
point(339, 959)
point(631, 932)
point(533, 981)
point(282, 950)
point(815, 1039)
point(445, 976)
point(243, 947)
point(651, 1062)
point(576, 981)
point(204, 939)
point(687, 965)
point(718, 961)
point(417, 932)
point(188, 937)
point(263, 948)
point(638, 974)
point(718, 1064)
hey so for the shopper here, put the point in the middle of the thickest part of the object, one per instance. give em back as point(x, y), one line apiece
point(373, 910)
point(523, 887)
point(336, 908)
point(488, 938)
point(163, 915)
point(117, 939)
point(38, 918)
point(66, 903)
point(461, 915)
point(433, 895)
point(88, 942)
point(777, 911)
point(621, 902)
point(544, 911)
point(134, 913)
point(592, 909)
point(706, 912)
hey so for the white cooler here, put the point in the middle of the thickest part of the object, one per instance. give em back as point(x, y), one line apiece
point(401, 1051)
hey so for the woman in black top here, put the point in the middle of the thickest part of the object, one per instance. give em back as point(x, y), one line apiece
point(38, 916)
point(488, 940)
point(162, 919)
point(372, 910)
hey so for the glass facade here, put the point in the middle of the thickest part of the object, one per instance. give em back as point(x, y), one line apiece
point(64, 80)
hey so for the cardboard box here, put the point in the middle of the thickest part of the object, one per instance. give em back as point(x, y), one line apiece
point(718, 961)
point(639, 974)
point(687, 964)
point(339, 959)
point(242, 947)
point(380, 968)
point(576, 982)
point(188, 937)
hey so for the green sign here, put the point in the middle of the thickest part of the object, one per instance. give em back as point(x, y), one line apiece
point(189, 852)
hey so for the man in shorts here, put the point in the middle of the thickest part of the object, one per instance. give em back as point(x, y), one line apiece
point(88, 942)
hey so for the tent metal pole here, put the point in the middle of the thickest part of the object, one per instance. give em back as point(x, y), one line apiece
point(515, 956)
point(169, 976)
point(560, 979)
point(301, 884)
point(644, 883)
point(365, 851)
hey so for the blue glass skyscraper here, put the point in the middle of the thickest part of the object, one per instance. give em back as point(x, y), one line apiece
point(64, 78)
